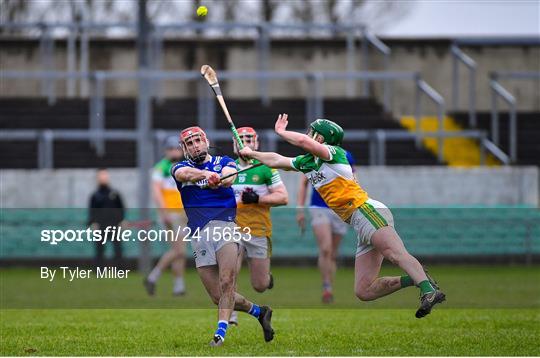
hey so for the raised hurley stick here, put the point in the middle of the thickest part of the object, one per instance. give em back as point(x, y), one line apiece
point(211, 77)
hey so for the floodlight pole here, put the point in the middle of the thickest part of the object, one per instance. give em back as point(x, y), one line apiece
point(144, 126)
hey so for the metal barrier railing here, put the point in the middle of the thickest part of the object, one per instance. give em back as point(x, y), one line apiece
point(377, 140)
point(423, 87)
point(158, 32)
point(497, 90)
point(457, 57)
point(206, 111)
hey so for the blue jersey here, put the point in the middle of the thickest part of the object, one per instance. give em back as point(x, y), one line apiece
point(316, 199)
point(204, 204)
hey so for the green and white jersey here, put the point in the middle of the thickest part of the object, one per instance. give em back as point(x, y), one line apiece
point(333, 179)
point(255, 216)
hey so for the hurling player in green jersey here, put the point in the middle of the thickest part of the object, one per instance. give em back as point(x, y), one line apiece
point(256, 191)
point(326, 166)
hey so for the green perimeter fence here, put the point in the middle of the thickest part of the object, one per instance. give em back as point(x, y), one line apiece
point(427, 232)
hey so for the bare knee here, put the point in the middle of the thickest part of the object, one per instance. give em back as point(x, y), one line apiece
point(363, 293)
point(259, 285)
point(326, 253)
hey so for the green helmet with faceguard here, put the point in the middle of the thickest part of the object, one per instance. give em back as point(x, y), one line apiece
point(331, 131)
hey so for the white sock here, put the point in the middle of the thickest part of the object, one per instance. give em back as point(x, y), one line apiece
point(179, 285)
point(234, 317)
point(154, 275)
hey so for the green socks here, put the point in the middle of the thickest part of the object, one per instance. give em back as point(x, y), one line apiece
point(406, 281)
point(425, 287)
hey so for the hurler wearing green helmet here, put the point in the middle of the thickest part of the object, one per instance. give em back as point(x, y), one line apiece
point(326, 167)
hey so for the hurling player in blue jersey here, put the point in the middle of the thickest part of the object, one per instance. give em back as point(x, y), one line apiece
point(328, 228)
point(210, 206)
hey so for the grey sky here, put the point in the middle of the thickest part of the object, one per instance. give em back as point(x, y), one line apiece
point(462, 18)
point(406, 18)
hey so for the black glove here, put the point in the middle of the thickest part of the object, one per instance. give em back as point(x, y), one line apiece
point(249, 196)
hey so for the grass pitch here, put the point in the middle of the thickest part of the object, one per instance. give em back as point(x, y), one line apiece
point(490, 311)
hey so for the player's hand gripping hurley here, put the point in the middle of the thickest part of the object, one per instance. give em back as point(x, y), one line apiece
point(211, 77)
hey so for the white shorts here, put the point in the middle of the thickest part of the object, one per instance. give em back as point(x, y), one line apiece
point(205, 247)
point(258, 247)
point(326, 216)
point(367, 219)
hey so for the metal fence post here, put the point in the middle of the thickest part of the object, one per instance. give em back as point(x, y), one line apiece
point(417, 110)
point(482, 143)
point(144, 126)
point(455, 77)
point(263, 59)
point(472, 98)
point(381, 147)
point(457, 56)
point(365, 61)
point(100, 115)
point(47, 49)
point(494, 117)
point(440, 130)
point(387, 90)
point(97, 112)
point(351, 58)
point(45, 149)
point(83, 61)
point(319, 95)
point(71, 61)
point(513, 132)
point(310, 98)
point(41, 151)
point(43, 54)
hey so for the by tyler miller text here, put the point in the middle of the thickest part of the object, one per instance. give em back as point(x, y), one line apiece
point(76, 273)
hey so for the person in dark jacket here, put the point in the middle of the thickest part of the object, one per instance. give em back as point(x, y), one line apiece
point(106, 208)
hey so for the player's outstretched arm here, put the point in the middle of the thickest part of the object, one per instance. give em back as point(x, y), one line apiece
point(300, 140)
point(271, 159)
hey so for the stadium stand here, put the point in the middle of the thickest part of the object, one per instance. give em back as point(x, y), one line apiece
point(29, 113)
point(528, 133)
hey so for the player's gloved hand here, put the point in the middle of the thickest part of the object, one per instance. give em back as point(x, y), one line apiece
point(249, 196)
